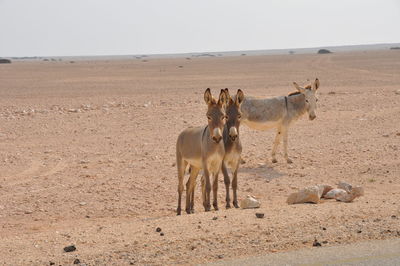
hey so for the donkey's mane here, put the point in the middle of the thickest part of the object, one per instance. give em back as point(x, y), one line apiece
point(308, 87)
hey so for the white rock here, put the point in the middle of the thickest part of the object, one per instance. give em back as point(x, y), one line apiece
point(249, 203)
point(323, 189)
point(308, 194)
point(350, 196)
point(345, 186)
point(334, 193)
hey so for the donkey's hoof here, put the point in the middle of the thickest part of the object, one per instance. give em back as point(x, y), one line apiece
point(178, 212)
point(236, 205)
point(207, 208)
point(228, 206)
point(274, 160)
point(188, 211)
point(192, 211)
point(215, 207)
point(289, 160)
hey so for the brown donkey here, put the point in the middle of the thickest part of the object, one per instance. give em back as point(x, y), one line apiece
point(202, 148)
point(233, 146)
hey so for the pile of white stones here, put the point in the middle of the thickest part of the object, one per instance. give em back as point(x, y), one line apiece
point(344, 192)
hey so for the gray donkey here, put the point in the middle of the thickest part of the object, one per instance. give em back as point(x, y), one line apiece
point(233, 146)
point(202, 148)
point(280, 112)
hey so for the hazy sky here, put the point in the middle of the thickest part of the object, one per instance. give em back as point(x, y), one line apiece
point(105, 27)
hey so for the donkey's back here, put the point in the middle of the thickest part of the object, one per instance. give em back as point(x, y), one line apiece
point(263, 114)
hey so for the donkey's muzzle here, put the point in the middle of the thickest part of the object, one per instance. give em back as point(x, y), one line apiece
point(216, 139)
point(312, 117)
point(233, 133)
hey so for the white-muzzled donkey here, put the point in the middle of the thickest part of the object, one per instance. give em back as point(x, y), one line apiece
point(202, 148)
point(233, 145)
point(279, 112)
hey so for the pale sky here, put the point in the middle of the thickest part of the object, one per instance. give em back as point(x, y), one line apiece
point(122, 27)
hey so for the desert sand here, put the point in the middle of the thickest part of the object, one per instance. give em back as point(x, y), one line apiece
point(87, 153)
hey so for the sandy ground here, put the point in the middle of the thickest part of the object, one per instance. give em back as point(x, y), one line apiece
point(87, 152)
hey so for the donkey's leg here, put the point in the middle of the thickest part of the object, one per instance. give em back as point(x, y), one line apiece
point(181, 165)
point(207, 190)
point(285, 144)
point(234, 186)
point(215, 191)
point(227, 182)
point(190, 189)
point(276, 143)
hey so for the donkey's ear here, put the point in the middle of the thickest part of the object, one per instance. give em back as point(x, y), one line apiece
point(228, 96)
point(315, 85)
point(300, 89)
point(208, 96)
point(222, 98)
point(239, 97)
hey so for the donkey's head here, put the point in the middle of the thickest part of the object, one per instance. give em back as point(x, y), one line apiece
point(233, 113)
point(309, 93)
point(216, 114)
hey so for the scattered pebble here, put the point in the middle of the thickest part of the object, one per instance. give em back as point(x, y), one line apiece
point(215, 218)
point(158, 229)
point(316, 243)
point(323, 228)
point(259, 215)
point(220, 256)
point(77, 261)
point(161, 234)
point(70, 248)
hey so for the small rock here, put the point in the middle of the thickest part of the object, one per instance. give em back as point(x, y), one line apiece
point(334, 193)
point(259, 215)
point(385, 135)
point(324, 242)
point(70, 248)
point(77, 261)
point(161, 234)
point(323, 228)
point(52, 263)
point(345, 186)
point(249, 203)
point(316, 243)
point(306, 195)
point(398, 134)
point(82, 203)
point(158, 229)
point(220, 256)
point(215, 218)
point(397, 92)
point(359, 231)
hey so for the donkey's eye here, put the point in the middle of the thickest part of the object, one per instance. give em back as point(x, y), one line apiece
point(239, 116)
point(316, 100)
point(306, 101)
point(224, 117)
point(209, 117)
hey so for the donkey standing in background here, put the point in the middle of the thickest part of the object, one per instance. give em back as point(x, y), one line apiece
point(280, 112)
point(233, 146)
point(202, 148)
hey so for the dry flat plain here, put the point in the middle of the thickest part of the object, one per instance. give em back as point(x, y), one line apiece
point(87, 152)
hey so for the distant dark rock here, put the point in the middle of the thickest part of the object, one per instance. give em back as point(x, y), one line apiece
point(324, 51)
point(291, 52)
point(5, 61)
point(395, 48)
